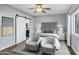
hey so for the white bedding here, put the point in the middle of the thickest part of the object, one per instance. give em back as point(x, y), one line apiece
point(47, 34)
point(57, 43)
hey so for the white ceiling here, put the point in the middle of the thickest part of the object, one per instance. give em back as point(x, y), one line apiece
point(55, 8)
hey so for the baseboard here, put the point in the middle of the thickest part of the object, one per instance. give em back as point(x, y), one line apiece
point(73, 49)
point(6, 47)
point(20, 41)
point(9, 45)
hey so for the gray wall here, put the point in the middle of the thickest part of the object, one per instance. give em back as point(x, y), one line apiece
point(61, 19)
point(5, 10)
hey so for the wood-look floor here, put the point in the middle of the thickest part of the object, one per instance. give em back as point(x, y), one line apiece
point(70, 49)
point(8, 51)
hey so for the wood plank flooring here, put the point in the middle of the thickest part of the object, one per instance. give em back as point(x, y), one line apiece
point(8, 51)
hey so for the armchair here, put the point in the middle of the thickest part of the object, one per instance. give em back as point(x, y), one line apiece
point(48, 46)
point(33, 43)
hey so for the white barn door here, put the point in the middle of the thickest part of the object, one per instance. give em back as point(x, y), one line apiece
point(20, 29)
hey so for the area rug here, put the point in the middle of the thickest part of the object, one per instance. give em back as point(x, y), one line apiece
point(21, 49)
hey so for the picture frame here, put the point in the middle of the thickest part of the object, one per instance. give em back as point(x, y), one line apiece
point(7, 26)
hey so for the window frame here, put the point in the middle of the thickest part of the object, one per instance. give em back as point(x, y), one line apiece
point(74, 28)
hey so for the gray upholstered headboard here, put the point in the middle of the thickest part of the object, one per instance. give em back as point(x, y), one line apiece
point(48, 26)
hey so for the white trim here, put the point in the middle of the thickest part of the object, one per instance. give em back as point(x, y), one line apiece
point(73, 49)
point(68, 30)
point(7, 46)
point(75, 34)
point(10, 45)
point(20, 41)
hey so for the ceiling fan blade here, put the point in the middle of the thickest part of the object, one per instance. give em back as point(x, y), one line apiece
point(43, 11)
point(46, 8)
point(31, 8)
point(35, 11)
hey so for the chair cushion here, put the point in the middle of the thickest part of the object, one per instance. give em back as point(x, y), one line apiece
point(48, 46)
point(31, 43)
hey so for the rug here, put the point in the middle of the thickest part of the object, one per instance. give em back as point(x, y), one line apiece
point(21, 49)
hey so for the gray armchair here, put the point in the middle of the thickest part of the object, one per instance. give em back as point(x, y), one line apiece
point(48, 46)
point(33, 43)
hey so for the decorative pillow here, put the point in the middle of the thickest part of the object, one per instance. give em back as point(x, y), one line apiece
point(35, 38)
point(50, 31)
point(46, 31)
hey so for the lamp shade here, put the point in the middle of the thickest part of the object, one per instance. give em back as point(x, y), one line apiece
point(38, 28)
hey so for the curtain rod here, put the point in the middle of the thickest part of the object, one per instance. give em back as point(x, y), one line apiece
point(23, 16)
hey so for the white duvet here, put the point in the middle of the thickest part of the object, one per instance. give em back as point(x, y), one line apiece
point(57, 44)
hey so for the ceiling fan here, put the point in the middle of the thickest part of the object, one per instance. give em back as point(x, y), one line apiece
point(39, 8)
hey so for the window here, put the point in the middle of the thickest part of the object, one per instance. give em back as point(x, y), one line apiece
point(77, 23)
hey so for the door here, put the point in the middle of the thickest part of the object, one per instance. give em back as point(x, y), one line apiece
point(20, 29)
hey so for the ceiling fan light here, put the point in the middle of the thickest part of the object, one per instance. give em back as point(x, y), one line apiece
point(39, 9)
point(38, 6)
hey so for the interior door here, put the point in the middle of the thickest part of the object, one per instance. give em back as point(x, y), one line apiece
point(20, 29)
